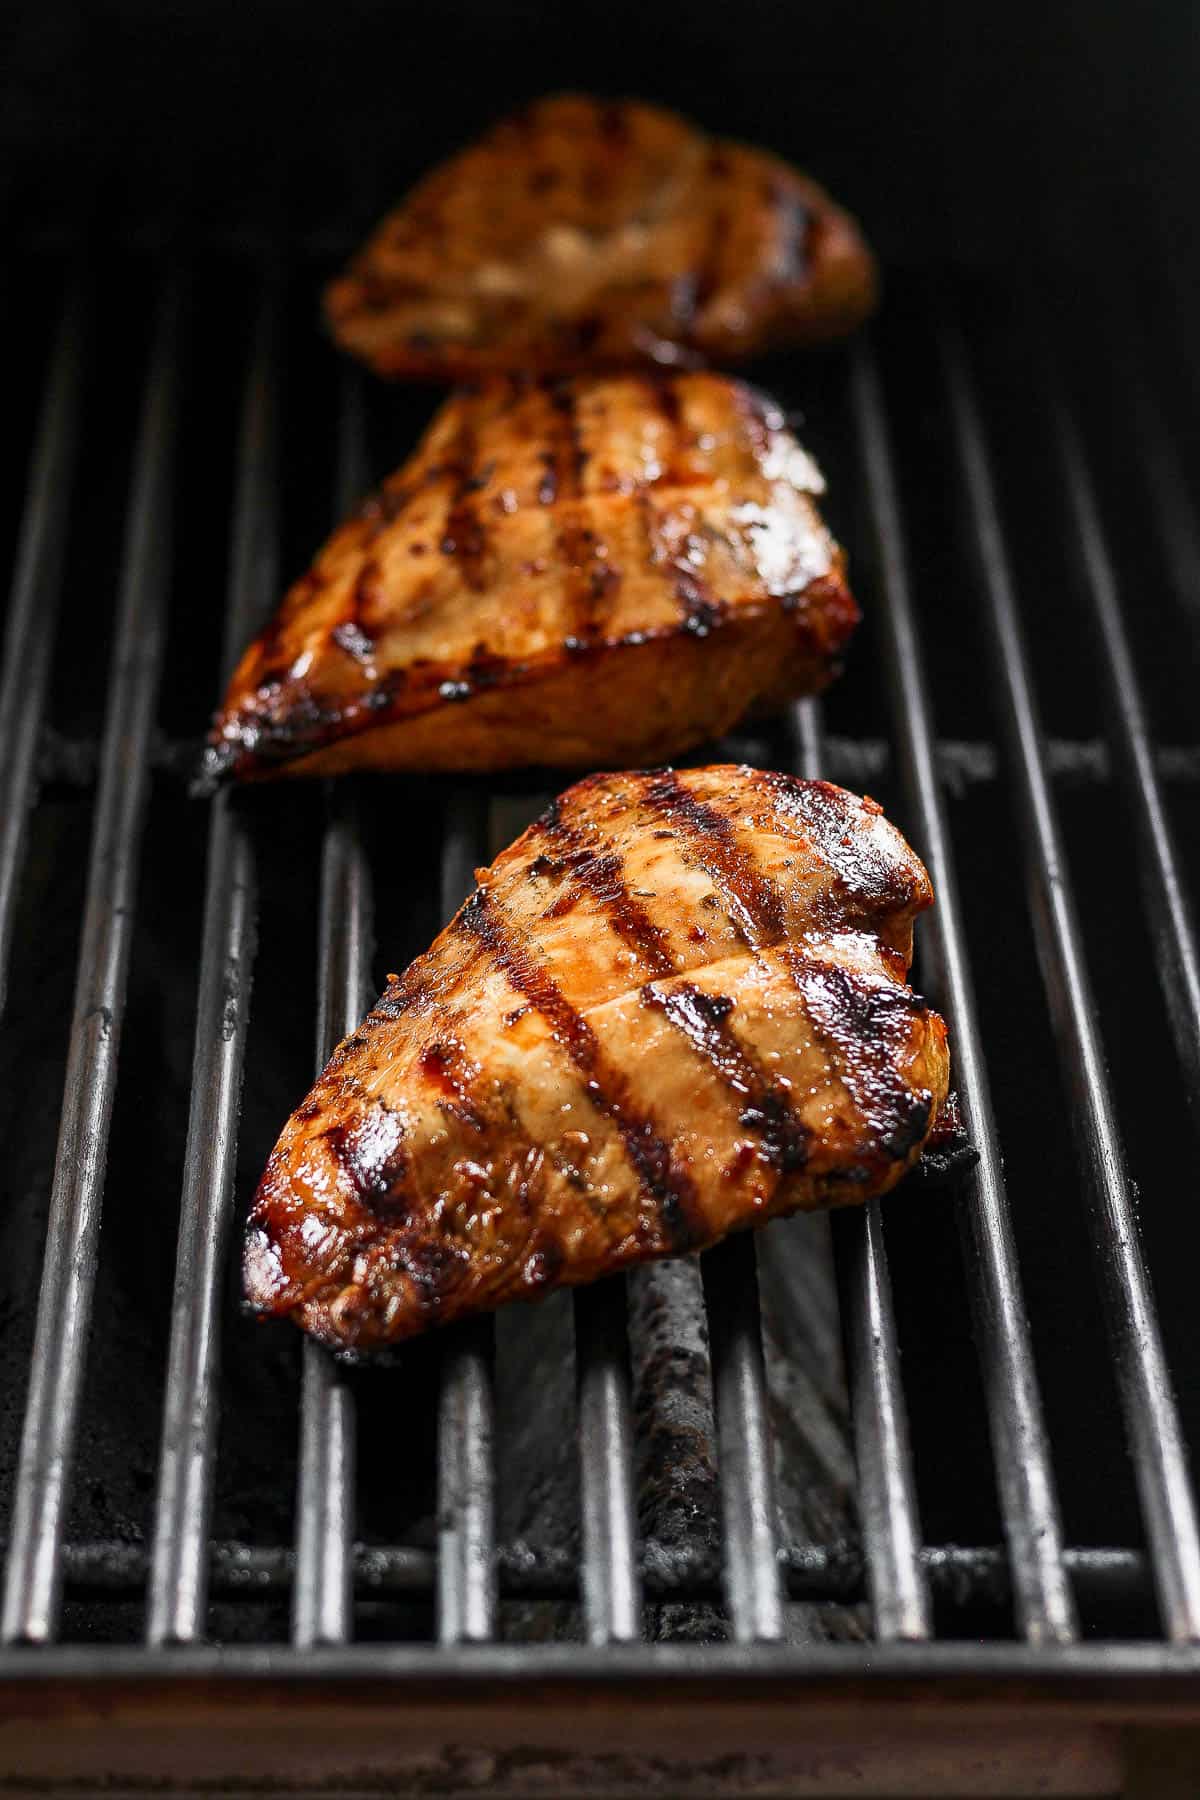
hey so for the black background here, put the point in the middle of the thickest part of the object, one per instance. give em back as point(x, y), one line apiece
point(972, 119)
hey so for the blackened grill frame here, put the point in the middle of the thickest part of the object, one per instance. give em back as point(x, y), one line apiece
point(325, 1571)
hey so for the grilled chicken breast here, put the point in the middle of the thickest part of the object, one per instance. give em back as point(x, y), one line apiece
point(676, 1006)
point(572, 574)
point(584, 234)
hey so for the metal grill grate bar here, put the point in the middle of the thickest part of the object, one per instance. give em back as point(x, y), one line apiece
point(1045, 1607)
point(33, 1576)
point(752, 1578)
point(611, 1593)
point(887, 1502)
point(1151, 1417)
point(322, 1602)
point(1174, 933)
point(179, 1565)
point(466, 1575)
point(33, 605)
point(961, 1575)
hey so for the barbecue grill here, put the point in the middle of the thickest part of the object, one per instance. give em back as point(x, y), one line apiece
point(894, 1505)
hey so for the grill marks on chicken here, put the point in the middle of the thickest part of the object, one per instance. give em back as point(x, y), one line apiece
point(583, 234)
point(566, 573)
point(755, 904)
point(674, 1007)
point(603, 1081)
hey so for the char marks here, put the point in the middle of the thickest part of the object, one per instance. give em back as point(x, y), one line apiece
point(450, 1072)
point(864, 1026)
point(590, 1068)
point(368, 1148)
point(454, 581)
point(764, 1104)
point(754, 902)
point(603, 877)
point(699, 608)
point(464, 535)
point(606, 1088)
point(701, 1018)
point(590, 579)
point(857, 858)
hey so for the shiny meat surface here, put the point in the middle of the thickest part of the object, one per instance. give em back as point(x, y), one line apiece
point(675, 1007)
point(582, 234)
point(567, 573)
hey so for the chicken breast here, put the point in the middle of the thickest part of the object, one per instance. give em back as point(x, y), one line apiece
point(571, 574)
point(583, 234)
point(675, 1007)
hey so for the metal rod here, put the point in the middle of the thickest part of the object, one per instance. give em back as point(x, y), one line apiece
point(322, 1603)
point(1174, 932)
point(858, 761)
point(33, 605)
point(887, 1503)
point(1028, 1498)
point(33, 1575)
point(179, 1565)
point(1151, 1417)
point(961, 1575)
point(611, 1590)
point(752, 1578)
point(887, 1496)
point(466, 1576)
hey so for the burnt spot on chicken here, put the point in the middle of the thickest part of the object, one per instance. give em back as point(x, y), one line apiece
point(948, 1151)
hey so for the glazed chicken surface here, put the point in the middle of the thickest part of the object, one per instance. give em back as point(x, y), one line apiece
point(675, 1007)
point(577, 573)
point(582, 234)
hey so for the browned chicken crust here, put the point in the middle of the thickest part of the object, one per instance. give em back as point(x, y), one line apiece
point(675, 1007)
point(582, 234)
point(567, 573)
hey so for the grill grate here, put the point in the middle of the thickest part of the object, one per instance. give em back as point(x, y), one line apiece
point(1044, 1604)
point(1150, 1413)
point(459, 1584)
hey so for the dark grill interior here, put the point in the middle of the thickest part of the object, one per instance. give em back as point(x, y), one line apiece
point(961, 1419)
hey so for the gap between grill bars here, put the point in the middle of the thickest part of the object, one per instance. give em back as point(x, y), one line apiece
point(34, 602)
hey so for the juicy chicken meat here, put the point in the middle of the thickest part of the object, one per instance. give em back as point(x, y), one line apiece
point(583, 234)
point(675, 1007)
point(571, 574)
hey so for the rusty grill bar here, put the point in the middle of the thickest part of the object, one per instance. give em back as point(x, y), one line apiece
point(463, 1576)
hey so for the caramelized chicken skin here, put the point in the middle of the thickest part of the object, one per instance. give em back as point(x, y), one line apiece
point(675, 1007)
point(584, 234)
point(592, 572)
